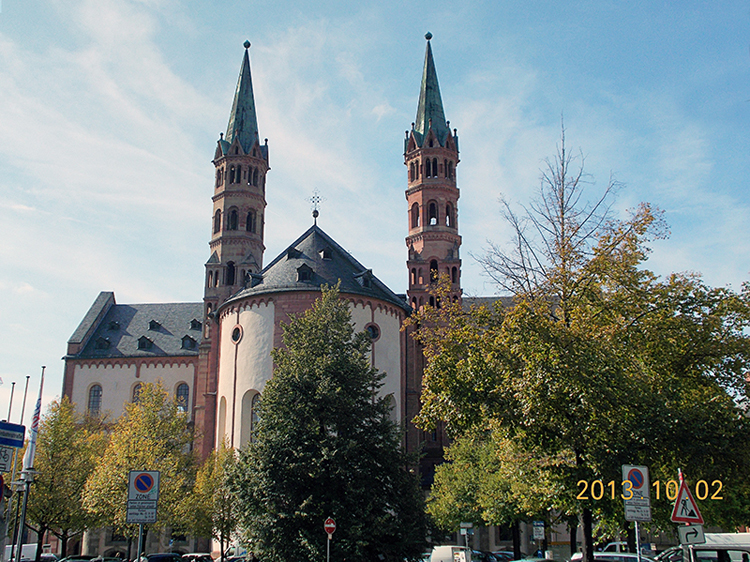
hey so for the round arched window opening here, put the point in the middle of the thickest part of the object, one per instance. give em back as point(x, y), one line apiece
point(373, 331)
point(237, 334)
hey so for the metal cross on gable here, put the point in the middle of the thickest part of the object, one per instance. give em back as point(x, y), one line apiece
point(316, 200)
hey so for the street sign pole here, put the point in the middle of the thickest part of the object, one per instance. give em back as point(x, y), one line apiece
point(140, 542)
point(329, 527)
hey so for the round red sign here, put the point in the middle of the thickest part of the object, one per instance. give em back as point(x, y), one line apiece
point(329, 526)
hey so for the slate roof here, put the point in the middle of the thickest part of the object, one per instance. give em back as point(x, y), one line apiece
point(120, 328)
point(327, 262)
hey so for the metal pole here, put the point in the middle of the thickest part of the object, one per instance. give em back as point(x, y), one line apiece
point(15, 471)
point(28, 478)
point(638, 541)
point(140, 541)
point(10, 404)
point(328, 548)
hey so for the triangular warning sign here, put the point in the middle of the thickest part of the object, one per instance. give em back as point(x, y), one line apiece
point(685, 509)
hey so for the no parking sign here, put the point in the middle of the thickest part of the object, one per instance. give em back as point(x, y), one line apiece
point(143, 493)
point(636, 493)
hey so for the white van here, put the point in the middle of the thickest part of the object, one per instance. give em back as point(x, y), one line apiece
point(719, 547)
point(28, 551)
point(450, 553)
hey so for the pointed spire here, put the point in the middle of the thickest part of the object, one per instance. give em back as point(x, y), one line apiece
point(243, 122)
point(430, 109)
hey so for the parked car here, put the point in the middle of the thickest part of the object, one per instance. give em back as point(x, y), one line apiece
point(164, 557)
point(197, 557)
point(613, 557)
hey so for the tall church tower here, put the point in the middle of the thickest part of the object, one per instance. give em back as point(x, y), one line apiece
point(431, 156)
point(239, 197)
point(239, 202)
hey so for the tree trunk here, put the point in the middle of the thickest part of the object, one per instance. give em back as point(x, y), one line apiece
point(630, 528)
point(515, 529)
point(39, 543)
point(573, 527)
point(588, 539)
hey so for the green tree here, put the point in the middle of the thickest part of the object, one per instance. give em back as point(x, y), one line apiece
point(326, 447)
point(598, 363)
point(152, 434)
point(66, 454)
point(213, 512)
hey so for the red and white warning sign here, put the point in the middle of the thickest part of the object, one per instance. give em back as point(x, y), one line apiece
point(685, 509)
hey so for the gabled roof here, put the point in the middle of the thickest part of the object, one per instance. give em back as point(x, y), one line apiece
point(314, 260)
point(430, 109)
point(116, 333)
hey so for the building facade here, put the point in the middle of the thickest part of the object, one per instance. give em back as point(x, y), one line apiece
point(215, 354)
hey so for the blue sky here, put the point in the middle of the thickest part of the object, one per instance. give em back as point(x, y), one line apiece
point(110, 111)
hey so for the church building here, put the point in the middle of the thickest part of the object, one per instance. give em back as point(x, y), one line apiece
point(215, 354)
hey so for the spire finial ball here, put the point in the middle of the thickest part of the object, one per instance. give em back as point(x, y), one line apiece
point(428, 36)
point(316, 214)
point(246, 44)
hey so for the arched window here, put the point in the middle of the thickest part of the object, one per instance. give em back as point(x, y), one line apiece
point(230, 273)
point(432, 214)
point(433, 271)
point(232, 220)
point(419, 276)
point(183, 397)
point(428, 169)
point(414, 276)
point(239, 174)
point(411, 171)
point(454, 275)
point(222, 433)
point(250, 224)
point(432, 302)
point(434, 168)
point(231, 174)
point(449, 215)
point(217, 221)
point(445, 167)
point(255, 177)
point(137, 392)
point(95, 400)
point(415, 215)
point(218, 177)
point(210, 279)
point(450, 169)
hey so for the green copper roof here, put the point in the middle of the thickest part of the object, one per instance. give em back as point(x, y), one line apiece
point(430, 104)
point(243, 122)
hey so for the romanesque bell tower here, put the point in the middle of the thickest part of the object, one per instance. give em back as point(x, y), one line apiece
point(239, 202)
point(431, 157)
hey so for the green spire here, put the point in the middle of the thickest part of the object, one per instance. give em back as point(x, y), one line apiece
point(430, 104)
point(243, 122)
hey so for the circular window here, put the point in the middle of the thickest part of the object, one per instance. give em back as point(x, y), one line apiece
point(373, 331)
point(237, 334)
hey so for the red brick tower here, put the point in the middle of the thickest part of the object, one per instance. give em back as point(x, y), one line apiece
point(236, 235)
point(431, 157)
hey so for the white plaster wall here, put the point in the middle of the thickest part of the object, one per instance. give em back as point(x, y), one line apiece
point(252, 356)
point(117, 382)
point(387, 349)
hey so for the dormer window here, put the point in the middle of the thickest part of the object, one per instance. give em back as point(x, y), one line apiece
point(113, 325)
point(293, 253)
point(365, 278)
point(145, 343)
point(195, 324)
point(153, 325)
point(188, 343)
point(326, 254)
point(304, 273)
point(102, 343)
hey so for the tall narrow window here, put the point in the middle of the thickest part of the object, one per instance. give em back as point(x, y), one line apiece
point(449, 215)
point(217, 221)
point(250, 224)
point(255, 177)
point(232, 220)
point(415, 215)
point(428, 169)
point(434, 168)
point(433, 214)
point(137, 392)
point(183, 396)
point(231, 174)
point(414, 276)
point(445, 167)
point(95, 400)
point(239, 174)
point(230, 273)
point(454, 275)
point(433, 271)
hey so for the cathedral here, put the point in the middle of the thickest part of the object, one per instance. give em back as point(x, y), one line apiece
point(215, 355)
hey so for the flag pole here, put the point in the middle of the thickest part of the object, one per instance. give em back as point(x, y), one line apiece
point(28, 472)
point(14, 491)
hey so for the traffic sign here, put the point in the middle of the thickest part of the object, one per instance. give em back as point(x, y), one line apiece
point(6, 458)
point(329, 526)
point(11, 434)
point(636, 494)
point(538, 530)
point(143, 494)
point(685, 509)
point(691, 534)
